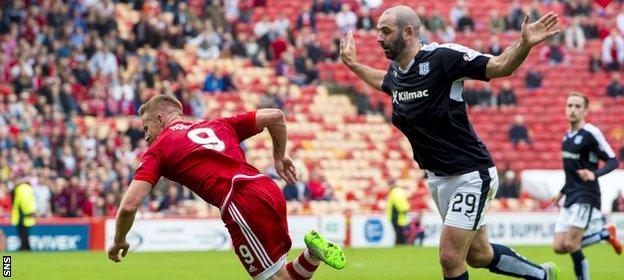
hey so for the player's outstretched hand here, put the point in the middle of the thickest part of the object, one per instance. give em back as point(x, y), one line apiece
point(113, 251)
point(535, 33)
point(286, 170)
point(586, 175)
point(347, 49)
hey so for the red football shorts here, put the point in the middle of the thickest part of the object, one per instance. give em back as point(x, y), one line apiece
point(255, 216)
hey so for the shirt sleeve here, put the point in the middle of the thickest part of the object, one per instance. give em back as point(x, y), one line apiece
point(149, 167)
point(463, 62)
point(610, 165)
point(244, 125)
point(601, 147)
point(564, 190)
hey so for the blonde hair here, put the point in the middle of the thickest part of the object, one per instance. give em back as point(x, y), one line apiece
point(581, 95)
point(162, 103)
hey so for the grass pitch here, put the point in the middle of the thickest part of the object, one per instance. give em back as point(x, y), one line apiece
point(383, 263)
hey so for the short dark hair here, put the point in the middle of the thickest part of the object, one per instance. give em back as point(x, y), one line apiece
point(581, 95)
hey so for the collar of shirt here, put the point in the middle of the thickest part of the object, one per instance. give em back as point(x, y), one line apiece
point(409, 65)
point(416, 58)
point(175, 122)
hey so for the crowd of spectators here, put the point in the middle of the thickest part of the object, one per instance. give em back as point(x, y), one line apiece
point(59, 61)
point(63, 60)
point(583, 21)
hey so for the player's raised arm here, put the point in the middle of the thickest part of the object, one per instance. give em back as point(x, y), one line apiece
point(373, 77)
point(532, 34)
point(130, 203)
point(273, 120)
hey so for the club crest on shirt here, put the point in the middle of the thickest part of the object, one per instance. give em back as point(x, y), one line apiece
point(423, 68)
point(470, 55)
point(578, 139)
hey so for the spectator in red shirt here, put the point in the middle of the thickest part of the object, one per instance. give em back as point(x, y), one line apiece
point(5, 201)
point(613, 50)
point(279, 46)
point(318, 187)
point(71, 200)
point(111, 200)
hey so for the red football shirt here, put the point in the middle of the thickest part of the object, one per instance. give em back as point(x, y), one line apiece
point(203, 156)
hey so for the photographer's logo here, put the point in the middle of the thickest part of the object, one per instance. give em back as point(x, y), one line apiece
point(6, 266)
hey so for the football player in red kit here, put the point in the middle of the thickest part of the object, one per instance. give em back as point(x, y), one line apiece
point(205, 156)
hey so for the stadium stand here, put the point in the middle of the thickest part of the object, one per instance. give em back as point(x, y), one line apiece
point(73, 73)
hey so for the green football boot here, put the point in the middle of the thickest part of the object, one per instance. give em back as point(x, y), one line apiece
point(552, 270)
point(325, 250)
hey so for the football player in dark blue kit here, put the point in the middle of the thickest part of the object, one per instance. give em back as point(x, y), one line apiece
point(582, 148)
point(425, 83)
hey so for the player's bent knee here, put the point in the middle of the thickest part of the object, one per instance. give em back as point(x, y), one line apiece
point(571, 246)
point(450, 260)
point(478, 259)
point(559, 249)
